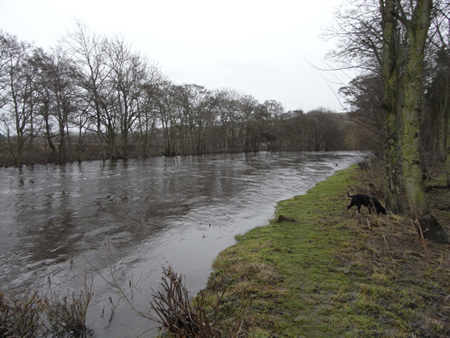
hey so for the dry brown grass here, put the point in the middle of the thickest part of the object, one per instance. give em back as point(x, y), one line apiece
point(21, 315)
point(27, 313)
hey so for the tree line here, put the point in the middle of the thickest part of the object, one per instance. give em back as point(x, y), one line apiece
point(94, 97)
point(401, 96)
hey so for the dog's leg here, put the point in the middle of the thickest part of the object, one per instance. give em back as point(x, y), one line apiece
point(371, 205)
point(350, 205)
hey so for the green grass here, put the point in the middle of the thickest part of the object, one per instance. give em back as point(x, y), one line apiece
point(321, 276)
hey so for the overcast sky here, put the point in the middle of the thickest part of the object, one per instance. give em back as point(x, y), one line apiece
point(268, 49)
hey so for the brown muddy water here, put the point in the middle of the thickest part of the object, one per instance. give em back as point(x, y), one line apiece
point(130, 218)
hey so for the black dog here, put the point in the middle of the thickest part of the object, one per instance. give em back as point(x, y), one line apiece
point(367, 201)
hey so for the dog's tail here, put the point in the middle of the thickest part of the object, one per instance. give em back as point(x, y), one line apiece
point(348, 194)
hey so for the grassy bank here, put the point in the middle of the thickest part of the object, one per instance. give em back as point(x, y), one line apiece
point(333, 272)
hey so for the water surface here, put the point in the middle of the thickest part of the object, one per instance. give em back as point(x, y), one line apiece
point(133, 217)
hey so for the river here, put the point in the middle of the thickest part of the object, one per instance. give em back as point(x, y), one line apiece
point(63, 224)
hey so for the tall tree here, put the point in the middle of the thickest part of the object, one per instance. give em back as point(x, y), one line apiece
point(390, 60)
point(127, 75)
point(17, 95)
point(228, 110)
point(196, 104)
point(416, 34)
point(398, 36)
point(369, 41)
point(438, 90)
point(363, 95)
point(414, 19)
point(56, 97)
point(274, 110)
point(251, 120)
point(147, 106)
point(87, 50)
point(166, 107)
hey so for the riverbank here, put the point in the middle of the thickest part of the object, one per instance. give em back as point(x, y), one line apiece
point(333, 272)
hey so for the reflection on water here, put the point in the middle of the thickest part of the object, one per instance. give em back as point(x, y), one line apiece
point(182, 211)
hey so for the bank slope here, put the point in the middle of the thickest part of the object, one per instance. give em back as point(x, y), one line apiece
point(332, 272)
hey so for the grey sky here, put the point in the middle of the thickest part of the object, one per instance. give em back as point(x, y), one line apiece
point(262, 48)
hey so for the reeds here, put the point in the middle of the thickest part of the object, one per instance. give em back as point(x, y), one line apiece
point(67, 314)
point(177, 314)
point(30, 314)
point(22, 315)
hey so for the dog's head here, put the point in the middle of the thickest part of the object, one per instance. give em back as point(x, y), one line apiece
point(380, 209)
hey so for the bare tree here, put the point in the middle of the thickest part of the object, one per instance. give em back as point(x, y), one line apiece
point(251, 120)
point(274, 110)
point(127, 75)
point(166, 106)
point(364, 96)
point(17, 95)
point(88, 54)
point(438, 89)
point(227, 114)
point(57, 97)
point(147, 105)
point(195, 103)
point(105, 90)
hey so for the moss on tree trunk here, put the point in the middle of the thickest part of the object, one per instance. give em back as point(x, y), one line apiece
point(447, 162)
point(412, 172)
point(391, 94)
point(417, 32)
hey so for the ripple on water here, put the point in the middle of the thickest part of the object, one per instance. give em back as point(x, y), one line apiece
point(134, 218)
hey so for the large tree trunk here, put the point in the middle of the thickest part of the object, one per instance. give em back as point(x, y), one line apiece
point(417, 32)
point(391, 98)
point(412, 171)
point(447, 162)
